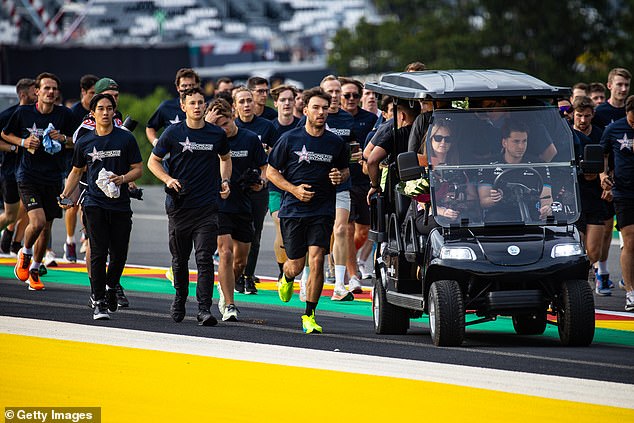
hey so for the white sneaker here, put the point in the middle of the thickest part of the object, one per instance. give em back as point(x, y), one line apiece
point(364, 271)
point(629, 301)
point(341, 295)
point(230, 314)
point(355, 286)
point(221, 300)
point(302, 290)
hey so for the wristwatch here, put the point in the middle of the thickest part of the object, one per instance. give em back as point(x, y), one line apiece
point(227, 181)
point(13, 148)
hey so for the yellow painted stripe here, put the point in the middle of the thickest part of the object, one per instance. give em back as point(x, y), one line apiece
point(134, 385)
point(616, 324)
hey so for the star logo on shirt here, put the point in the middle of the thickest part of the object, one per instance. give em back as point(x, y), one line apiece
point(187, 145)
point(176, 120)
point(626, 142)
point(96, 155)
point(303, 155)
point(33, 130)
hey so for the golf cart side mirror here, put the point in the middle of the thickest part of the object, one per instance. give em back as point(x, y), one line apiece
point(592, 159)
point(408, 167)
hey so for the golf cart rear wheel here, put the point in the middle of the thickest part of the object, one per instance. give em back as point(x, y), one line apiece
point(388, 318)
point(530, 324)
point(446, 314)
point(575, 313)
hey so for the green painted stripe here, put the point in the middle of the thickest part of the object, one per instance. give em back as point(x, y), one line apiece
point(359, 308)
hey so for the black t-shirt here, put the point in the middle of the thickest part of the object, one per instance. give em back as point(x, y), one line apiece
point(8, 161)
point(506, 208)
point(394, 148)
point(304, 159)
point(40, 167)
point(246, 153)
point(363, 123)
point(79, 113)
point(605, 114)
point(114, 152)
point(617, 142)
point(279, 131)
point(194, 162)
point(340, 123)
point(269, 113)
point(168, 113)
point(263, 128)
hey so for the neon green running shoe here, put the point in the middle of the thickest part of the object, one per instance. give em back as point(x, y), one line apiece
point(285, 289)
point(309, 325)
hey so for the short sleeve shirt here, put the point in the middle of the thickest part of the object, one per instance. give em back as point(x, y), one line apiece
point(279, 131)
point(605, 114)
point(194, 162)
point(263, 128)
point(114, 152)
point(304, 159)
point(246, 153)
point(40, 167)
point(168, 113)
point(9, 161)
point(617, 142)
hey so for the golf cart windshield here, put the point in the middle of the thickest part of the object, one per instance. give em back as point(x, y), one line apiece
point(504, 166)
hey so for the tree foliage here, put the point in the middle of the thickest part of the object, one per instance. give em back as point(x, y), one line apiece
point(561, 42)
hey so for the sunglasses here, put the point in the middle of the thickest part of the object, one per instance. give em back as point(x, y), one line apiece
point(565, 109)
point(349, 96)
point(439, 138)
point(261, 91)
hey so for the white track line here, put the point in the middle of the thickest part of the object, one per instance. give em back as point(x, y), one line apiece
point(554, 387)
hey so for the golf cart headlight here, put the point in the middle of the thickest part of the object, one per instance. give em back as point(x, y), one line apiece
point(566, 250)
point(457, 253)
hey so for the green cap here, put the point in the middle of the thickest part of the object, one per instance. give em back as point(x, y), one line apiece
point(105, 84)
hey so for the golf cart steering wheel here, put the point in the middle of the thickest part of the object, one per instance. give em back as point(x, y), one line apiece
point(519, 180)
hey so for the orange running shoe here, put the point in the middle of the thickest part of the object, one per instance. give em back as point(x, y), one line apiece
point(21, 270)
point(34, 280)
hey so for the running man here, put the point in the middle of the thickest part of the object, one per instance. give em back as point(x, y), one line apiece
point(308, 163)
point(107, 212)
point(198, 172)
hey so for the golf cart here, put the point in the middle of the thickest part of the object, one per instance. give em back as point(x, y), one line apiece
point(520, 257)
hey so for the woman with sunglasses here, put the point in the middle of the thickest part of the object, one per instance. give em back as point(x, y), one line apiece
point(454, 194)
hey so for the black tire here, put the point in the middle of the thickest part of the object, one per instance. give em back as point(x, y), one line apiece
point(388, 318)
point(575, 313)
point(530, 324)
point(446, 314)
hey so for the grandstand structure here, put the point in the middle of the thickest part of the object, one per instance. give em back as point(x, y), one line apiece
point(289, 29)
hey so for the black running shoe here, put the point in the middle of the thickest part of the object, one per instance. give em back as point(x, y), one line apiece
point(122, 300)
point(177, 310)
point(205, 318)
point(249, 285)
point(92, 302)
point(240, 284)
point(5, 241)
point(111, 299)
point(101, 311)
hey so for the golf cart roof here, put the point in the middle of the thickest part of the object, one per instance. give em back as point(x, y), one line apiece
point(460, 84)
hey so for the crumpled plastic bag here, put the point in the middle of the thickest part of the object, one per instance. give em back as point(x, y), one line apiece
point(109, 188)
point(50, 145)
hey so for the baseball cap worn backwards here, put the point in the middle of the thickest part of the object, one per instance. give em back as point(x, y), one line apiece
point(105, 84)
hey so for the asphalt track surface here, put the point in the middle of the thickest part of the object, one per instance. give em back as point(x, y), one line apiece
point(141, 366)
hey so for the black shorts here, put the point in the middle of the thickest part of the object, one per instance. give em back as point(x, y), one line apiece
point(239, 226)
point(41, 197)
point(624, 208)
point(10, 193)
point(591, 218)
point(299, 233)
point(359, 209)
